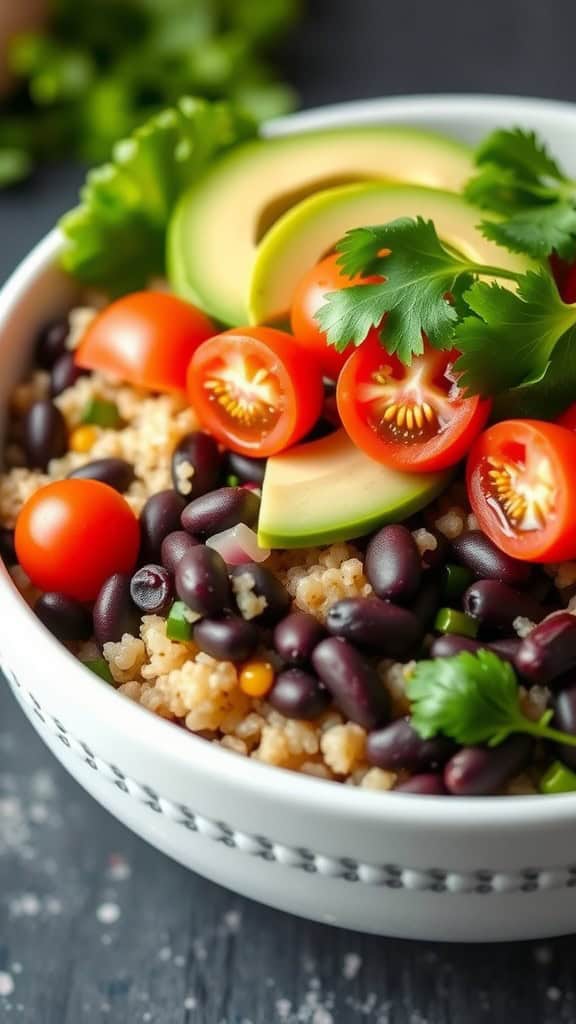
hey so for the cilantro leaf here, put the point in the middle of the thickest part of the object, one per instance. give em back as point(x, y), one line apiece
point(538, 230)
point(513, 335)
point(520, 180)
point(115, 238)
point(472, 698)
point(522, 152)
point(545, 397)
point(419, 272)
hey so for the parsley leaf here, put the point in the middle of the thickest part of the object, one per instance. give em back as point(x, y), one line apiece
point(520, 180)
point(472, 698)
point(513, 335)
point(115, 238)
point(419, 272)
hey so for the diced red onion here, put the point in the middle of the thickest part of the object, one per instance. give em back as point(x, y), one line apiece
point(238, 545)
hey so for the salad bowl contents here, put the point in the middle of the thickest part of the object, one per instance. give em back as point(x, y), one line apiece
point(293, 471)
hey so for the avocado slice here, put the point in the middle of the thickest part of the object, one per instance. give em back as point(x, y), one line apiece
point(306, 233)
point(219, 222)
point(328, 490)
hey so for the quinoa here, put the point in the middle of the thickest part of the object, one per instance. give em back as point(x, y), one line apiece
point(175, 679)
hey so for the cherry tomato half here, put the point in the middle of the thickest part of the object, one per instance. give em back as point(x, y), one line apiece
point(309, 296)
point(568, 418)
point(147, 339)
point(412, 418)
point(565, 277)
point(72, 534)
point(520, 486)
point(255, 389)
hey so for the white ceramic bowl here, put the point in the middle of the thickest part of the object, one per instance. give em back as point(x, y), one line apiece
point(410, 866)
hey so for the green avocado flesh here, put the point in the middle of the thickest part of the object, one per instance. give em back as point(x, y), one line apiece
point(329, 491)
point(220, 221)
point(307, 232)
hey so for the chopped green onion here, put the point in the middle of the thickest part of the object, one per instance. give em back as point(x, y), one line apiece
point(232, 480)
point(558, 779)
point(455, 580)
point(100, 667)
point(102, 413)
point(448, 620)
point(178, 623)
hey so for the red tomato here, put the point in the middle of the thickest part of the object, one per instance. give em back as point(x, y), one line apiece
point(147, 339)
point(72, 534)
point(412, 418)
point(255, 389)
point(309, 296)
point(520, 485)
point(568, 418)
point(565, 277)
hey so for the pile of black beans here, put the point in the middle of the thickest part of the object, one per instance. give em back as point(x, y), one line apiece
point(319, 665)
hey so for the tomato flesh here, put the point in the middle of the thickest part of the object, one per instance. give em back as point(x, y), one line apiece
point(147, 339)
point(568, 418)
point(255, 389)
point(520, 487)
point(309, 296)
point(412, 418)
point(71, 535)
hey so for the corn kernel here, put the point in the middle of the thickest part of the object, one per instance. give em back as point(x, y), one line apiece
point(82, 439)
point(256, 678)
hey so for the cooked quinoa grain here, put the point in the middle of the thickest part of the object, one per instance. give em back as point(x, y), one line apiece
point(173, 678)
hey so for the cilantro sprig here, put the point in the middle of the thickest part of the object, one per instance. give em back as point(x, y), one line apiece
point(535, 198)
point(115, 238)
point(422, 291)
point(473, 698)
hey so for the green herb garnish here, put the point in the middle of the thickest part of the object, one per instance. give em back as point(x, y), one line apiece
point(100, 68)
point(115, 239)
point(473, 698)
point(516, 344)
point(102, 413)
point(518, 179)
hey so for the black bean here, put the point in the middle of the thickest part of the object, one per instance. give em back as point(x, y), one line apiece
point(296, 636)
point(7, 549)
point(477, 552)
point(426, 784)
point(376, 625)
point(549, 651)
point(353, 682)
point(298, 694)
point(174, 547)
point(398, 746)
point(45, 434)
point(427, 602)
point(202, 581)
point(152, 590)
point(228, 638)
point(64, 374)
point(114, 612)
point(507, 648)
point(496, 604)
point(251, 579)
point(51, 343)
point(201, 452)
point(220, 510)
point(439, 556)
point(480, 771)
point(393, 564)
point(65, 617)
point(159, 517)
point(565, 719)
point(117, 473)
point(248, 471)
point(448, 645)
point(322, 428)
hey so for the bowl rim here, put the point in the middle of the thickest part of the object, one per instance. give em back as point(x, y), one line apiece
point(295, 789)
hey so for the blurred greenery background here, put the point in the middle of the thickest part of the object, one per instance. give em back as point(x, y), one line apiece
point(76, 75)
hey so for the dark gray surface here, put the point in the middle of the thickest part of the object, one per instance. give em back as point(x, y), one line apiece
point(95, 926)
